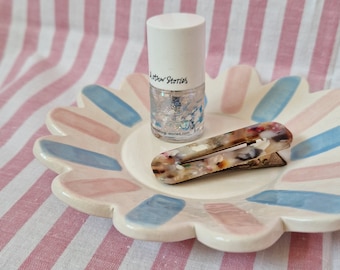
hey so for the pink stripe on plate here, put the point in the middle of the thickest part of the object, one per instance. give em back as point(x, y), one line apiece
point(235, 89)
point(140, 86)
point(321, 172)
point(233, 218)
point(100, 187)
point(85, 125)
point(315, 112)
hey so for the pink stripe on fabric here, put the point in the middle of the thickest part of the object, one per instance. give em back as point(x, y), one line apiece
point(288, 38)
point(173, 255)
point(20, 160)
point(325, 44)
point(53, 244)
point(188, 6)
point(154, 8)
point(57, 87)
point(253, 31)
point(111, 251)
point(305, 251)
point(25, 207)
point(244, 261)
point(5, 22)
point(30, 42)
point(314, 112)
point(219, 29)
point(321, 172)
point(121, 36)
point(235, 88)
point(58, 43)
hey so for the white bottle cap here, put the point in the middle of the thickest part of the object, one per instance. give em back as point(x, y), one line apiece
point(176, 49)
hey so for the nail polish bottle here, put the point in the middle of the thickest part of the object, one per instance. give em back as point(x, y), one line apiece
point(176, 54)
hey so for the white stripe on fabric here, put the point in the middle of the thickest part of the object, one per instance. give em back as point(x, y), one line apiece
point(14, 42)
point(236, 29)
point(203, 255)
point(206, 9)
point(107, 18)
point(336, 250)
point(135, 42)
point(307, 37)
point(333, 74)
point(85, 243)
point(45, 36)
point(172, 6)
point(327, 245)
point(19, 185)
point(279, 252)
point(270, 38)
point(30, 235)
point(136, 258)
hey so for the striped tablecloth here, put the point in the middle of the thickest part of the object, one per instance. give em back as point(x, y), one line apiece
point(49, 50)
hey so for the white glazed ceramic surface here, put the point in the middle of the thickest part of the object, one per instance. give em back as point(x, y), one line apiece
point(102, 151)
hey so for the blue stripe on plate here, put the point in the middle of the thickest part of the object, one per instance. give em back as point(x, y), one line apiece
point(156, 210)
point(78, 155)
point(317, 144)
point(276, 99)
point(112, 105)
point(313, 201)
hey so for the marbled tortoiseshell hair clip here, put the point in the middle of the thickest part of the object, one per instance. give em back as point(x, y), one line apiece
point(252, 147)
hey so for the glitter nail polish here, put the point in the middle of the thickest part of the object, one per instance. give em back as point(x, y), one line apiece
point(176, 50)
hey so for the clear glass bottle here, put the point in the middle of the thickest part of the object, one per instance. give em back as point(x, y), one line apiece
point(176, 49)
point(177, 116)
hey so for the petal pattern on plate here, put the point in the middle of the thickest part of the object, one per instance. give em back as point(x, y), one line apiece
point(307, 200)
point(276, 99)
point(315, 112)
point(79, 155)
point(112, 105)
point(318, 144)
point(156, 210)
point(313, 173)
point(232, 207)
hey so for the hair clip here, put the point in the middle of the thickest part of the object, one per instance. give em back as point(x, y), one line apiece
point(252, 147)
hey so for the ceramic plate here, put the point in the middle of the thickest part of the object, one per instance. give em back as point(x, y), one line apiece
point(102, 150)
